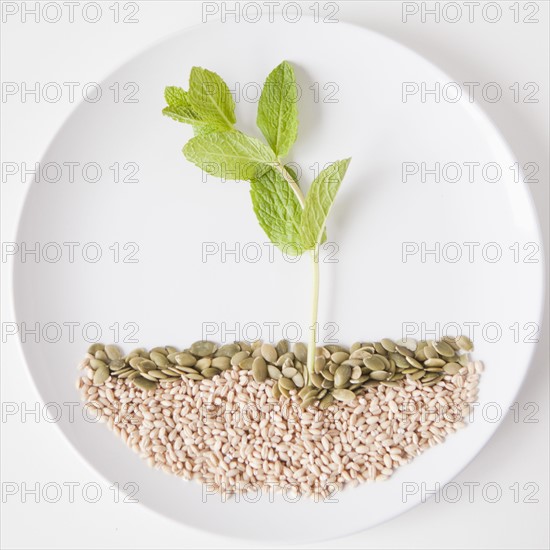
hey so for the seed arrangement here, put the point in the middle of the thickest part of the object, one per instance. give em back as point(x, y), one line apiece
point(339, 373)
point(354, 423)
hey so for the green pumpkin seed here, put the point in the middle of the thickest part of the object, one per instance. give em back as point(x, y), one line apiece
point(388, 344)
point(416, 375)
point(320, 363)
point(210, 372)
point(274, 372)
point(452, 368)
point(238, 357)
point(389, 383)
point(327, 384)
point(430, 352)
point(221, 362)
point(259, 370)
point(246, 364)
point(342, 376)
point(202, 348)
point(157, 374)
point(146, 365)
point(339, 356)
point(275, 391)
point(379, 375)
point(379, 348)
point(374, 363)
point(434, 362)
point(97, 364)
point(194, 376)
point(300, 352)
point(465, 343)
point(317, 380)
point(413, 362)
point(286, 383)
point(101, 375)
point(101, 355)
point(159, 359)
point(203, 363)
point(144, 384)
point(346, 396)
point(298, 380)
point(443, 349)
point(228, 350)
point(326, 401)
point(185, 359)
point(95, 347)
point(282, 347)
point(327, 375)
point(269, 353)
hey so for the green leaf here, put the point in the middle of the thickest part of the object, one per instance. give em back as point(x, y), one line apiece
point(292, 172)
point(319, 200)
point(229, 155)
point(277, 109)
point(278, 210)
point(176, 96)
point(211, 99)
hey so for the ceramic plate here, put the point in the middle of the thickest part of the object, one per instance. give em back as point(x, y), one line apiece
point(181, 280)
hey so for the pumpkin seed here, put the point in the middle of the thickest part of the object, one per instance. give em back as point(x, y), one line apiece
point(374, 363)
point(379, 348)
point(356, 372)
point(194, 376)
point(95, 347)
point(300, 351)
point(309, 400)
point(379, 375)
point(317, 380)
point(97, 364)
point(159, 359)
point(203, 363)
point(414, 363)
point(326, 401)
point(202, 348)
point(210, 372)
point(157, 374)
point(221, 362)
point(430, 352)
point(434, 362)
point(282, 359)
point(444, 349)
point(269, 353)
point(274, 372)
point(388, 344)
point(185, 359)
point(339, 357)
point(345, 396)
point(289, 372)
point(160, 350)
point(228, 350)
point(101, 375)
point(246, 364)
point(101, 355)
point(238, 357)
point(465, 343)
point(144, 384)
point(452, 368)
point(320, 363)
point(282, 347)
point(298, 380)
point(342, 376)
point(327, 375)
point(286, 383)
point(416, 375)
point(259, 370)
point(275, 391)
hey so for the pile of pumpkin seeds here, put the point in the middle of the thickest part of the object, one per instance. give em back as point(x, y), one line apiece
point(340, 372)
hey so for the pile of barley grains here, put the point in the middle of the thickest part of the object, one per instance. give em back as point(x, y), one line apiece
point(231, 433)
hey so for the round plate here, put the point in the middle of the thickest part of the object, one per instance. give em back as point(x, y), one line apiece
point(202, 267)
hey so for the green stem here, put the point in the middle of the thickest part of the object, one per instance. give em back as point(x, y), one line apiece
point(315, 295)
point(314, 308)
point(294, 186)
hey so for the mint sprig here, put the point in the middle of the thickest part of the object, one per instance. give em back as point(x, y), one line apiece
point(293, 221)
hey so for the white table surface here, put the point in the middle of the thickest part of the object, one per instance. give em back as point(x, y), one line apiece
point(34, 452)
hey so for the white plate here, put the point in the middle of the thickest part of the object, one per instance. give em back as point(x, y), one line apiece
point(369, 292)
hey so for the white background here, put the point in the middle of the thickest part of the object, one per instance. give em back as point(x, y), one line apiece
point(504, 52)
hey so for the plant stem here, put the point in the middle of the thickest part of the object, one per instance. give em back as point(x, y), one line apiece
point(294, 185)
point(314, 308)
point(315, 294)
